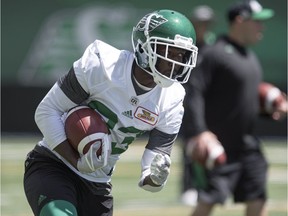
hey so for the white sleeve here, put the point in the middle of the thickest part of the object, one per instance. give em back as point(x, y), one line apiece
point(147, 158)
point(48, 116)
point(89, 78)
point(171, 118)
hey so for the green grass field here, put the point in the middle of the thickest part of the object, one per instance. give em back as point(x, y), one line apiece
point(130, 200)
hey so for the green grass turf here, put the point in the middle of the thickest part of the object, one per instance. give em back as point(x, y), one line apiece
point(130, 200)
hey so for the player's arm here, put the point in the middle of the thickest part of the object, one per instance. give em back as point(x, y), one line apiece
point(67, 152)
point(64, 95)
point(155, 170)
point(49, 118)
point(156, 161)
point(70, 90)
point(201, 139)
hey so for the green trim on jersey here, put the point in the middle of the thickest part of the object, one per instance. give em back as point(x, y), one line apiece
point(105, 111)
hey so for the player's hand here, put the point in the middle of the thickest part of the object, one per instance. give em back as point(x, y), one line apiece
point(90, 162)
point(206, 150)
point(160, 169)
point(197, 146)
point(281, 109)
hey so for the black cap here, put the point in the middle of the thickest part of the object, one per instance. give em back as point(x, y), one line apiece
point(249, 9)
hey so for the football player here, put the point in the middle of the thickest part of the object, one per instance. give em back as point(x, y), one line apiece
point(134, 92)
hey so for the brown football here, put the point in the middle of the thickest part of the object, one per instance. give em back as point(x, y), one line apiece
point(83, 127)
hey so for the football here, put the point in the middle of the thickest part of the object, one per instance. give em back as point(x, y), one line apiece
point(270, 97)
point(83, 127)
point(213, 155)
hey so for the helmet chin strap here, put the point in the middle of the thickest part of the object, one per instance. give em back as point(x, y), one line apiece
point(145, 88)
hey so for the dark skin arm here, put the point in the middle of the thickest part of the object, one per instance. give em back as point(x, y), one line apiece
point(68, 152)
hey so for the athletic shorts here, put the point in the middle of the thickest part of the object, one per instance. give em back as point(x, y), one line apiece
point(245, 180)
point(47, 178)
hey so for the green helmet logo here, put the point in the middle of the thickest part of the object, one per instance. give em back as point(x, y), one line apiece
point(169, 28)
point(154, 23)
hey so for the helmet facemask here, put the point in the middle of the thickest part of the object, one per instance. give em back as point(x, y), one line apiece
point(180, 68)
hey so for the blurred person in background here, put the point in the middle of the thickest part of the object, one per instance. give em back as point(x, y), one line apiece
point(223, 103)
point(134, 93)
point(203, 19)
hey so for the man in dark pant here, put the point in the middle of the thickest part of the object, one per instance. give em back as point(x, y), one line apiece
point(203, 18)
point(223, 103)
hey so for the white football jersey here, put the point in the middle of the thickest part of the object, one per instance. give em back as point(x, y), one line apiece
point(104, 73)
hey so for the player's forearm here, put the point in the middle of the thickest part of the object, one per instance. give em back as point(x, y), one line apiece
point(155, 171)
point(68, 152)
point(195, 106)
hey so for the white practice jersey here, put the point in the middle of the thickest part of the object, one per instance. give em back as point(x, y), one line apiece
point(102, 79)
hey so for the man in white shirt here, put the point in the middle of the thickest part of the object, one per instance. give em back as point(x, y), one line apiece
point(114, 82)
